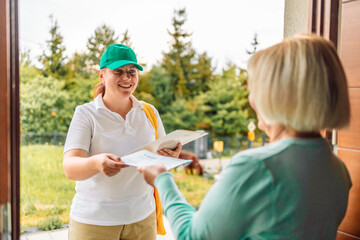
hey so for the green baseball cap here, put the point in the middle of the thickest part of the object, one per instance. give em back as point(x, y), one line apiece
point(118, 55)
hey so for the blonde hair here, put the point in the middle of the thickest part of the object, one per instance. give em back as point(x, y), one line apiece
point(301, 84)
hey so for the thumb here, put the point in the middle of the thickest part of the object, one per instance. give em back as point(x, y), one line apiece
point(114, 157)
point(140, 169)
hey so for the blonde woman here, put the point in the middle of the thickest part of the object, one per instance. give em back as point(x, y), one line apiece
point(293, 188)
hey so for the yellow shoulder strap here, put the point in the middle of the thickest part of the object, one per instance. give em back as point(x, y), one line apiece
point(151, 116)
point(159, 217)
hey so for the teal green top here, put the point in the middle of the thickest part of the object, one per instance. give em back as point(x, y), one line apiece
point(290, 189)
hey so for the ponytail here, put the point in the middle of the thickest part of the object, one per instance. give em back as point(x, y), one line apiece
point(99, 89)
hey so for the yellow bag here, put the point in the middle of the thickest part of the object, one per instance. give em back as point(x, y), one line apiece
point(159, 217)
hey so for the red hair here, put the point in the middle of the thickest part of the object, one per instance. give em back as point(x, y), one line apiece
point(99, 89)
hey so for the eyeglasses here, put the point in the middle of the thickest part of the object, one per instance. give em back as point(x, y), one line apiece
point(129, 72)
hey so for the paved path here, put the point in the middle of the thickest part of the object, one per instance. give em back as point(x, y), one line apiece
point(62, 234)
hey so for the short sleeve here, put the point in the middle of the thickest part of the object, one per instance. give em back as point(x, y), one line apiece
point(80, 131)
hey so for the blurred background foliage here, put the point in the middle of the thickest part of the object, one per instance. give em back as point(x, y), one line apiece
point(183, 85)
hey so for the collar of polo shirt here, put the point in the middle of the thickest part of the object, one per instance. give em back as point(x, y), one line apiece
point(99, 103)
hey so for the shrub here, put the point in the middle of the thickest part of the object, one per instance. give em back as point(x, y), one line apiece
point(30, 209)
point(54, 211)
point(50, 223)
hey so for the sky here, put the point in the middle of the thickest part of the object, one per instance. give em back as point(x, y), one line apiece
point(224, 29)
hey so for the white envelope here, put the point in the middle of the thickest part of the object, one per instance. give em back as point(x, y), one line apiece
point(146, 158)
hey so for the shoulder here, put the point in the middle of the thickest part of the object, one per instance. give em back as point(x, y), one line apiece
point(85, 108)
point(344, 171)
point(146, 104)
point(258, 155)
point(143, 104)
point(85, 113)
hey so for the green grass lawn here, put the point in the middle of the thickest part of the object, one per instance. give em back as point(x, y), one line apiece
point(46, 192)
point(193, 187)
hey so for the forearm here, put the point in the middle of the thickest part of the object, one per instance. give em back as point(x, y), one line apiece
point(80, 168)
point(179, 212)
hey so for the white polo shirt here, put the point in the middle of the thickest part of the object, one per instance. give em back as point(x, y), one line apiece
point(124, 198)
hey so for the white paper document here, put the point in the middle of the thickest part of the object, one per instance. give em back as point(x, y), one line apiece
point(146, 158)
point(171, 140)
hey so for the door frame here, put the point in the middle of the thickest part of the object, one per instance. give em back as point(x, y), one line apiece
point(10, 120)
point(324, 21)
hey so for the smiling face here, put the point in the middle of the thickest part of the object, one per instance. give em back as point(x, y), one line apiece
point(120, 82)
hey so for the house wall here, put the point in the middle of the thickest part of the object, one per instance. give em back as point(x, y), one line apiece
point(296, 19)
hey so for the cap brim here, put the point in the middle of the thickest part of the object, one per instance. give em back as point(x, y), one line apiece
point(121, 63)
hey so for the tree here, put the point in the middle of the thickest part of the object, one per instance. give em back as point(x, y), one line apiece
point(44, 105)
point(126, 40)
point(82, 91)
point(178, 62)
point(254, 45)
point(203, 75)
point(79, 66)
point(156, 83)
point(179, 116)
point(25, 58)
point(97, 44)
point(27, 70)
point(53, 58)
point(224, 107)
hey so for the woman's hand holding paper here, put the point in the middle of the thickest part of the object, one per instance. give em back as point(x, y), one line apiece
point(167, 152)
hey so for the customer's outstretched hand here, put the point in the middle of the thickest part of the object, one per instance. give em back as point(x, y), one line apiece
point(151, 172)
